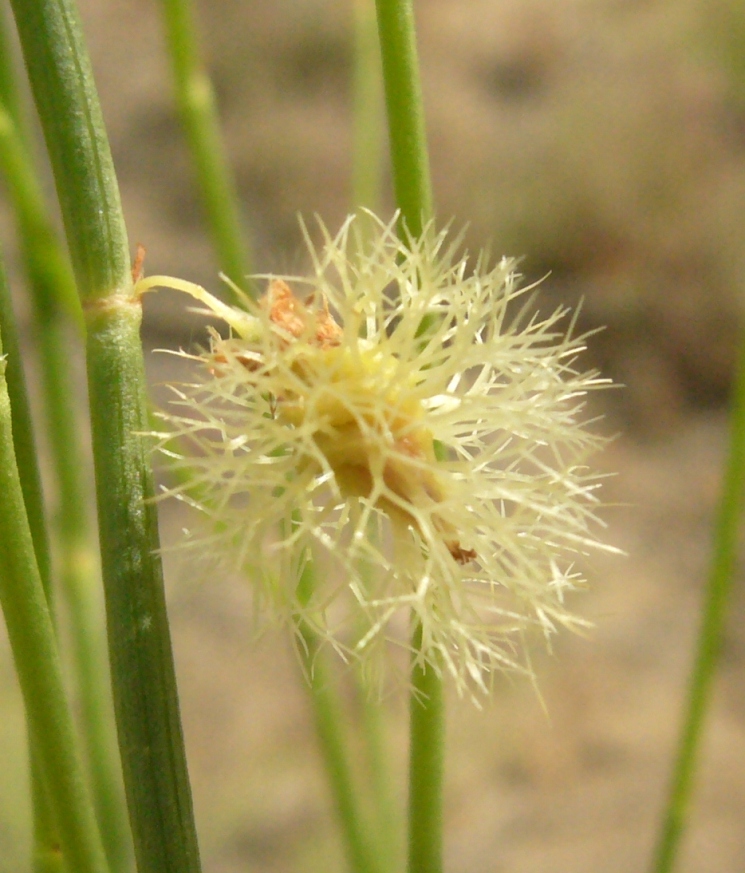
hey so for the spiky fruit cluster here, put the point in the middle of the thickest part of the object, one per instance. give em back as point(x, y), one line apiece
point(395, 438)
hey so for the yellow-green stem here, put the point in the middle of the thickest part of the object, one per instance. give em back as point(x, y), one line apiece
point(722, 571)
point(328, 717)
point(196, 104)
point(413, 188)
point(405, 110)
point(426, 765)
point(368, 109)
point(387, 812)
point(46, 854)
point(79, 574)
point(34, 647)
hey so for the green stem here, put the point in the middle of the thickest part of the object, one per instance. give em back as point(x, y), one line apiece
point(328, 719)
point(368, 109)
point(372, 718)
point(46, 855)
point(54, 298)
point(8, 90)
point(34, 647)
point(46, 263)
point(143, 675)
point(196, 105)
point(710, 634)
point(413, 189)
point(67, 103)
point(426, 765)
point(24, 442)
point(79, 573)
point(145, 695)
point(405, 108)
point(386, 808)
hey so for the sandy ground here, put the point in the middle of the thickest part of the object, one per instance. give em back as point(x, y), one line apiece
point(603, 139)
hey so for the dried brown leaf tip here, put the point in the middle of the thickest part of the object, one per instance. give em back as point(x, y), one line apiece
point(138, 265)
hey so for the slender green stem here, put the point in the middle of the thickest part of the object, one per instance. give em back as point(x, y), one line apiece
point(328, 721)
point(328, 717)
point(46, 263)
point(426, 765)
point(79, 573)
point(8, 90)
point(367, 141)
point(368, 108)
point(46, 855)
point(413, 189)
point(403, 96)
point(196, 104)
point(14, 168)
point(143, 676)
point(34, 647)
point(388, 818)
point(62, 81)
point(54, 298)
point(24, 442)
point(372, 717)
point(709, 642)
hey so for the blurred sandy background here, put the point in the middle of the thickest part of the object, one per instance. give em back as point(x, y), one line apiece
point(604, 140)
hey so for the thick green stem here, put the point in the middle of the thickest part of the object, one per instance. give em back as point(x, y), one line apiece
point(54, 298)
point(426, 765)
point(34, 647)
point(66, 99)
point(145, 696)
point(710, 635)
point(143, 676)
point(403, 96)
point(196, 104)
